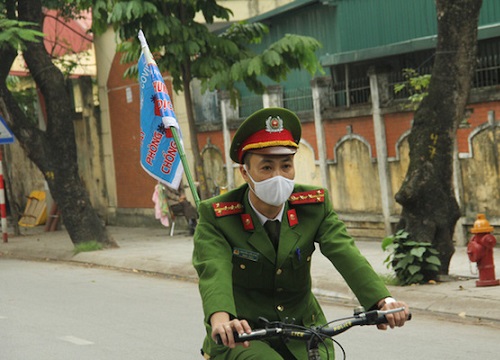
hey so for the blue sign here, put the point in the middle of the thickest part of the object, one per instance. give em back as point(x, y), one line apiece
point(6, 136)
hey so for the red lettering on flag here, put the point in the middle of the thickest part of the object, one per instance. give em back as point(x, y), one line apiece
point(169, 158)
point(160, 86)
point(162, 104)
point(153, 147)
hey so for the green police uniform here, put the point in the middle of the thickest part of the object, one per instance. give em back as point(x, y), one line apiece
point(241, 273)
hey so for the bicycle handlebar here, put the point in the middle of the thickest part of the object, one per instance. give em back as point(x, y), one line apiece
point(285, 330)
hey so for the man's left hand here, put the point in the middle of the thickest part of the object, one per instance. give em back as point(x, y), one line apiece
point(396, 319)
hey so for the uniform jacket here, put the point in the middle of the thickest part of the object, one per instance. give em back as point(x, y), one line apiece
point(241, 273)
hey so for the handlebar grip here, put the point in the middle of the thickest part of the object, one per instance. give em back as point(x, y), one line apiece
point(381, 319)
point(218, 339)
point(239, 338)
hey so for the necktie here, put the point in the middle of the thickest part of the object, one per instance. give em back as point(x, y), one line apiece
point(273, 230)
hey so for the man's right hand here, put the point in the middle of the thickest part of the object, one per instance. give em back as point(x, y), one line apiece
point(223, 326)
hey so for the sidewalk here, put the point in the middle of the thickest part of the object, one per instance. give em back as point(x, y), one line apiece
point(153, 250)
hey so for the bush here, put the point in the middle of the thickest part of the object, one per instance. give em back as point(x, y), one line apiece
point(413, 262)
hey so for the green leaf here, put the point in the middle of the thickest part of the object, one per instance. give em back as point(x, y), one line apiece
point(412, 243)
point(387, 242)
point(415, 279)
point(237, 71)
point(192, 47)
point(403, 263)
point(402, 234)
point(271, 58)
point(255, 66)
point(418, 252)
point(413, 269)
point(399, 87)
point(431, 267)
point(433, 260)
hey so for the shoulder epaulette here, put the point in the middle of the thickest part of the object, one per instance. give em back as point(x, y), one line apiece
point(227, 208)
point(307, 197)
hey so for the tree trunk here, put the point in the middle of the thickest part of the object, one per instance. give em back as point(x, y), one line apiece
point(193, 134)
point(430, 210)
point(54, 151)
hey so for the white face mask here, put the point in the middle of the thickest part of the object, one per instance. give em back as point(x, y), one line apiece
point(273, 191)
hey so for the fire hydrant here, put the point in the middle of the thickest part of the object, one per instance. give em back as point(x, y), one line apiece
point(480, 251)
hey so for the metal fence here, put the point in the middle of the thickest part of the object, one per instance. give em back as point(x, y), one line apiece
point(488, 65)
point(249, 104)
point(298, 99)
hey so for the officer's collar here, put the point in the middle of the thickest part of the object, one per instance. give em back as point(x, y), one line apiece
point(262, 218)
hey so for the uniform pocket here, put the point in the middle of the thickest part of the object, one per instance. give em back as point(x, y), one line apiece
point(302, 256)
point(247, 273)
point(301, 267)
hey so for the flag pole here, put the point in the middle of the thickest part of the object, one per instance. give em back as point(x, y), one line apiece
point(180, 148)
point(184, 161)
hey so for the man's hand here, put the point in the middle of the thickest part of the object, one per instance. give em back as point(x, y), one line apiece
point(223, 326)
point(396, 319)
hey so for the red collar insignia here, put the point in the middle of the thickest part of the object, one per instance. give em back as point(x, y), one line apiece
point(292, 217)
point(246, 219)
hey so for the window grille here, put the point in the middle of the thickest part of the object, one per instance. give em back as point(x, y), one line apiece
point(249, 105)
point(298, 99)
point(488, 64)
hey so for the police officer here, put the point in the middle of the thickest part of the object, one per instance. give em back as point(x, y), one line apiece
point(253, 246)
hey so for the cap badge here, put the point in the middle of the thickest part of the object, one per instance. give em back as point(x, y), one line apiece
point(274, 124)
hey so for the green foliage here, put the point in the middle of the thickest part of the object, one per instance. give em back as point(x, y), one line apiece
point(68, 9)
point(87, 246)
point(275, 62)
point(416, 85)
point(15, 33)
point(187, 49)
point(413, 262)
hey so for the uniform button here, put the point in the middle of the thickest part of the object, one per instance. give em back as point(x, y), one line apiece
point(242, 266)
point(280, 307)
point(279, 271)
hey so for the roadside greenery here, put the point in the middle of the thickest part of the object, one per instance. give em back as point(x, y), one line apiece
point(413, 262)
point(87, 246)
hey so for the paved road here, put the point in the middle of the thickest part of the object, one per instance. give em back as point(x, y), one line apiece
point(60, 311)
point(64, 312)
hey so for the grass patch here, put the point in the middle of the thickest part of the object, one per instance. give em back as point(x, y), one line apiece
point(87, 246)
point(390, 279)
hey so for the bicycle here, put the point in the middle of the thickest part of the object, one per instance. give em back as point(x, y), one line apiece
point(317, 334)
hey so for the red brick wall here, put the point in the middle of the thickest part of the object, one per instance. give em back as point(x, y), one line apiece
point(336, 129)
point(309, 135)
point(478, 117)
point(396, 124)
